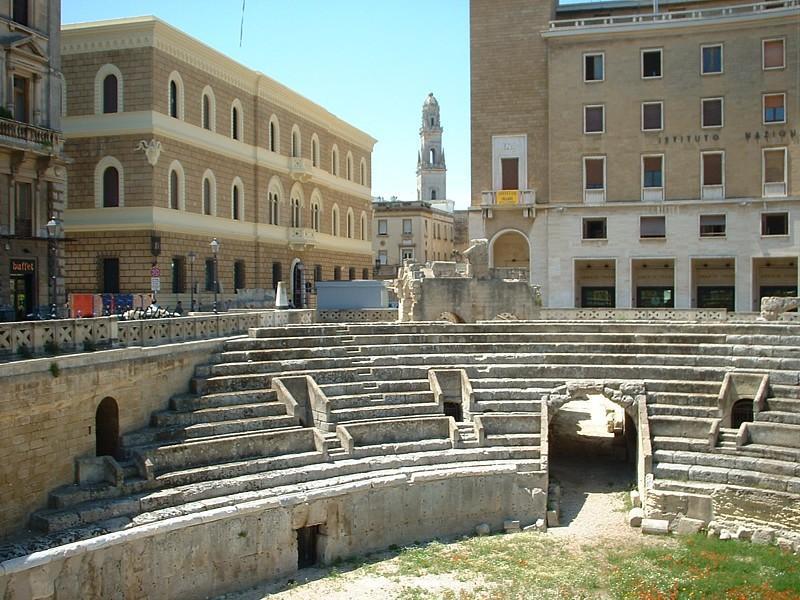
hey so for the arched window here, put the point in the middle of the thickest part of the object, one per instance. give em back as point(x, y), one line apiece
point(109, 183)
point(273, 209)
point(337, 273)
point(209, 193)
point(274, 194)
point(363, 172)
point(295, 212)
point(237, 200)
point(349, 167)
point(208, 109)
point(365, 274)
point(175, 96)
point(296, 148)
point(351, 273)
point(274, 134)
point(174, 189)
point(314, 150)
point(335, 160)
point(350, 223)
point(364, 233)
point(236, 120)
point(335, 220)
point(315, 216)
point(110, 187)
point(433, 194)
point(110, 97)
point(106, 428)
point(107, 90)
point(432, 156)
point(173, 99)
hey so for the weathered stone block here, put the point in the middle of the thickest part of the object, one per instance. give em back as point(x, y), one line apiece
point(655, 526)
point(764, 535)
point(635, 517)
point(687, 526)
point(483, 529)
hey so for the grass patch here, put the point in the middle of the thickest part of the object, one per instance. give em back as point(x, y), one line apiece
point(702, 567)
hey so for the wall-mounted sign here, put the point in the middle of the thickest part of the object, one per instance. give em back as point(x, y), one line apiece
point(507, 197)
point(768, 136)
point(772, 135)
point(22, 266)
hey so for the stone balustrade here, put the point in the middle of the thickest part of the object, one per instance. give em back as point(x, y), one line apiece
point(23, 338)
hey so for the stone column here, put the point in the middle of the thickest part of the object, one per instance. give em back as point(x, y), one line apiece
point(624, 282)
point(744, 283)
point(682, 273)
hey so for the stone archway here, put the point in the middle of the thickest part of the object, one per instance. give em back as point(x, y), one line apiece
point(297, 284)
point(509, 249)
point(106, 428)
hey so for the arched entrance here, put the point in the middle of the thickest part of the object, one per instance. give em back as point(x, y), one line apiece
point(741, 412)
point(509, 250)
point(297, 293)
point(106, 428)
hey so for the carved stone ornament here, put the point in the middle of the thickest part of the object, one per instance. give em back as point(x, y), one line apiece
point(152, 150)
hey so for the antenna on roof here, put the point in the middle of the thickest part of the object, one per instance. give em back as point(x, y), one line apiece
point(241, 25)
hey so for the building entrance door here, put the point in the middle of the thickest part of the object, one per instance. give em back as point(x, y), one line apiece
point(297, 285)
point(22, 295)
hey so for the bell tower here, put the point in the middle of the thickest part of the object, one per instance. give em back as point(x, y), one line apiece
point(431, 169)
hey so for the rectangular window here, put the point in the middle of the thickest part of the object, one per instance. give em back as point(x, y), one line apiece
point(716, 297)
point(21, 91)
point(774, 108)
point(110, 274)
point(652, 116)
point(653, 171)
point(774, 170)
point(20, 12)
point(775, 223)
point(593, 67)
point(178, 275)
point(652, 227)
point(712, 225)
point(594, 179)
point(23, 211)
point(509, 169)
point(711, 59)
point(655, 297)
point(594, 229)
point(317, 273)
point(238, 276)
point(651, 63)
point(383, 257)
point(598, 297)
point(406, 226)
point(593, 119)
point(712, 175)
point(383, 227)
point(711, 114)
point(277, 274)
point(773, 54)
point(406, 254)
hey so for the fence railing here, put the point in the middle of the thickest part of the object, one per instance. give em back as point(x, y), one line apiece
point(26, 339)
point(358, 315)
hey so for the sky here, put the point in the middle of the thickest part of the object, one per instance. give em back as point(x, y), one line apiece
point(370, 62)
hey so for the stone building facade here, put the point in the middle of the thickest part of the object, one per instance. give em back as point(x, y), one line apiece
point(32, 168)
point(413, 231)
point(174, 144)
point(646, 159)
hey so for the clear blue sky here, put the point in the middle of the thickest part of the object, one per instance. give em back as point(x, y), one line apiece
point(370, 62)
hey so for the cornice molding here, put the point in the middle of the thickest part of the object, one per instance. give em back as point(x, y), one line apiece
point(150, 32)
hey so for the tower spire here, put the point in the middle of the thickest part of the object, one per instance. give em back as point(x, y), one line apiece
point(431, 169)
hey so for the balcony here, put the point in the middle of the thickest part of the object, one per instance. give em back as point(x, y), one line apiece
point(652, 194)
point(594, 196)
point(678, 17)
point(29, 137)
point(505, 199)
point(302, 238)
point(775, 189)
point(300, 169)
point(713, 192)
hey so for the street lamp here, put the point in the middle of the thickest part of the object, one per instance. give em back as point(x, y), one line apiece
point(192, 255)
point(52, 231)
point(215, 251)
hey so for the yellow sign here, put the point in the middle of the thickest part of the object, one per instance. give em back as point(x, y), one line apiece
point(507, 197)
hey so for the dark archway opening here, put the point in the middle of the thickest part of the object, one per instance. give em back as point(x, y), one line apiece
point(307, 547)
point(106, 428)
point(454, 409)
point(741, 412)
point(592, 445)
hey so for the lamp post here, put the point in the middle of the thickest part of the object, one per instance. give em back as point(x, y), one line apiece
point(52, 232)
point(215, 251)
point(192, 255)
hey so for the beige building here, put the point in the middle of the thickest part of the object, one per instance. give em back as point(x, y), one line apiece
point(412, 231)
point(175, 144)
point(32, 171)
point(645, 158)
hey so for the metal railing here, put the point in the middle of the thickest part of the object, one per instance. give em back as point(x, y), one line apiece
point(695, 14)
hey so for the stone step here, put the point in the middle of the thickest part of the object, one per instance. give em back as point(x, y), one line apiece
point(347, 415)
point(49, 521)
point(725, 476)
point(333, 390)
point(509, 406)
point(681, 410)
point(530, 440)
point(229, 383)
point(680, 426)
point(70, 495)
point(171, 418)
point(374, 399)
point(709, 400)
point(784, 405)
point(778, 416)
point(679, 443)
point(729, 461)
point(509, 393)
point(153, 435)
point(189, 402)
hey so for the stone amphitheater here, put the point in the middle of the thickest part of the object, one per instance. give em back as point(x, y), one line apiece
point(303, 444)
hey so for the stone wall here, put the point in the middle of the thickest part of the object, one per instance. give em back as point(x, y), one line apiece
point(236, 547)
point(47, 413)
